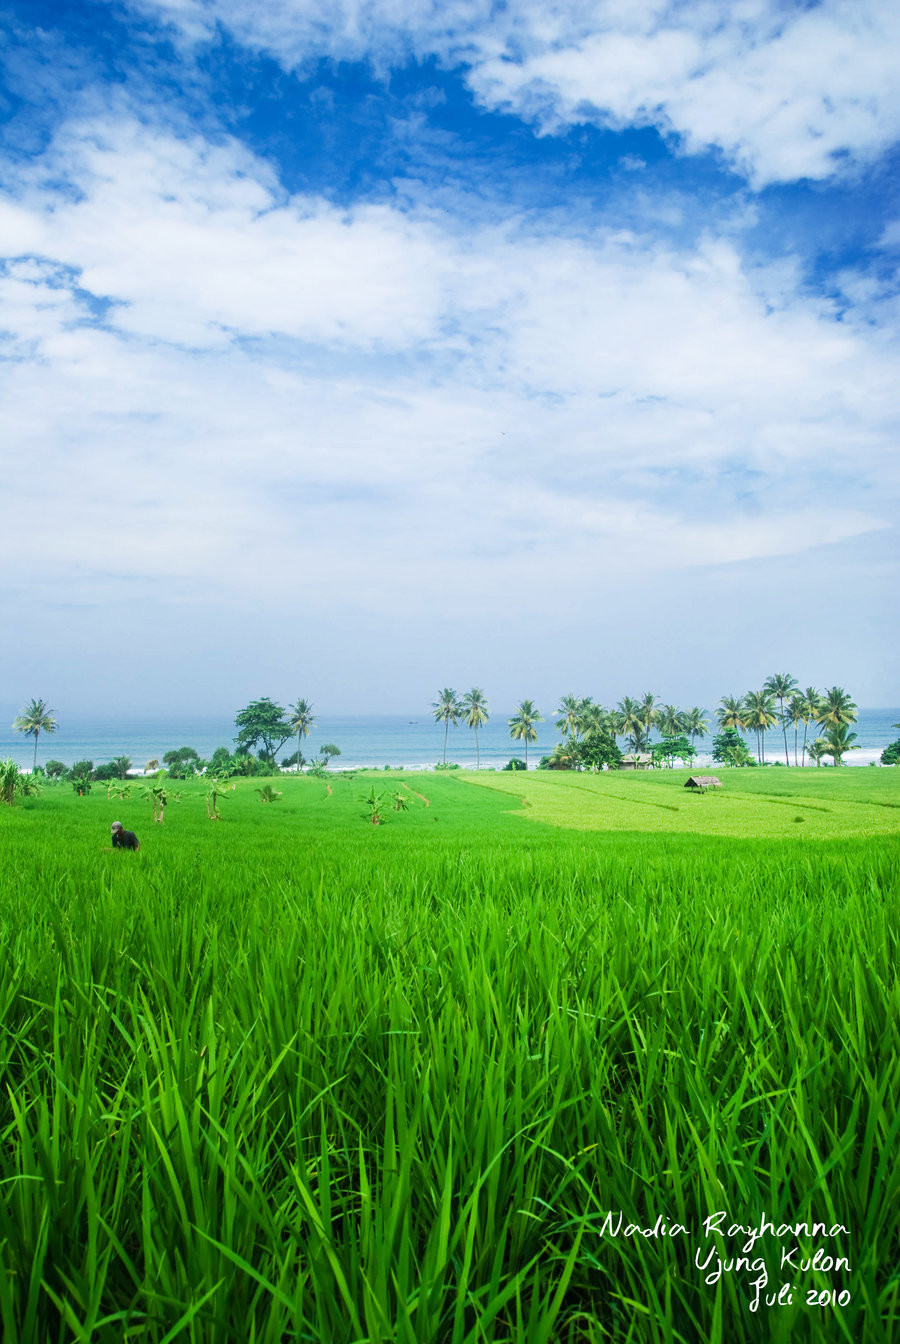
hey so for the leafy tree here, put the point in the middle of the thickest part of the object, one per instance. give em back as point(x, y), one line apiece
point(475, 709)
point(296, 758)
point(34, 719)
point(729, 748)
point(300, 719)
point(328, 751)
point(220, 763)
point(672, 747)
point(597, 750)
point(891, 753)
point(781, 686)
point(837, 741)
point(447, 709)
point(516, 764)
point(122, 764)
point(83, 768)
point(262, 723)
point(522, 724)
point(182, 763)
point(54, 769)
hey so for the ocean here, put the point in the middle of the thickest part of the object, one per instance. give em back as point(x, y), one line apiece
point(414, 741)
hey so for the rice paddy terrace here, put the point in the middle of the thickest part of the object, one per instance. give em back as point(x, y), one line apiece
point(538, 1057)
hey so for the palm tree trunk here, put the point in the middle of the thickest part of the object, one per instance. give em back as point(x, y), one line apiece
point(784, 730)
point(477, 752)
point(446, 731)
point(34, 762)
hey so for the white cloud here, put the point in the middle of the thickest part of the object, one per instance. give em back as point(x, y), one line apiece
point(784, 92)
point(292, 407)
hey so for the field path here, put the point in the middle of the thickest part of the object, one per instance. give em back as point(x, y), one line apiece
point(426, 801)
point(330, 790)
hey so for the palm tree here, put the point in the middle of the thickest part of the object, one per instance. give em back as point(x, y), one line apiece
point(759, 714)
point(794, 716)
point(474, 706)
point(835, 741)
point(628, 721)
point(731, 713)
point(594, 721)
point(300, 718)
point(669, 720)
point(835, 708)
point(34, 720)
point(817, 749)
point(571, 709)
point(649, 713)
point(781, 686)
point(695, 723)
point(447, 709)
point(810, 699)
point(521, 725)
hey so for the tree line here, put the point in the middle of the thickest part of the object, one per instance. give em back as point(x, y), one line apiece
point(590, 732)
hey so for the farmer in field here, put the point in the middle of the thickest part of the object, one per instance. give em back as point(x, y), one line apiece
point(122, 839)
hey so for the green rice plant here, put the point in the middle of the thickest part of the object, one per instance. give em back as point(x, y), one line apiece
point(396, 1090)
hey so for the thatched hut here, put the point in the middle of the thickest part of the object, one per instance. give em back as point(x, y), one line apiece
point(636, 760)
point(703, 782)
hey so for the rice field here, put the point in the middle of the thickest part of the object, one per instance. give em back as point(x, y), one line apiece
point(294, 1076)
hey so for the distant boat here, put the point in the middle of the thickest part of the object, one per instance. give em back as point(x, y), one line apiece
point(414, 720)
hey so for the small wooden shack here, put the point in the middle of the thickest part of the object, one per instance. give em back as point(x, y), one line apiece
point(636, 760)
point(703, 782)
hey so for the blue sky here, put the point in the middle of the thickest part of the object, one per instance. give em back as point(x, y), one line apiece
point(353, 350)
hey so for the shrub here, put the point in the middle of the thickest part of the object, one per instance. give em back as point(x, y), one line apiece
point(515, 764)
point(55, 769)
point(891, 754)
point(446, 765)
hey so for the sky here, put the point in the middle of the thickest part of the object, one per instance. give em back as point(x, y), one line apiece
point(352, 350)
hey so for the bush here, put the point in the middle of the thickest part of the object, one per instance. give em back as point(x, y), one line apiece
point(446, 765)
point(515, 764)
point(891, 754)
point(55, 769)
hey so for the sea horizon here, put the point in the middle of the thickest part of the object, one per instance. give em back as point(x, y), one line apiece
point(409, 742)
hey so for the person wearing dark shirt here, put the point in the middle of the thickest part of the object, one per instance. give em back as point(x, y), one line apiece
point(122, 839)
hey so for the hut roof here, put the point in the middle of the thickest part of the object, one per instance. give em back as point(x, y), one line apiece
point(703, 782)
